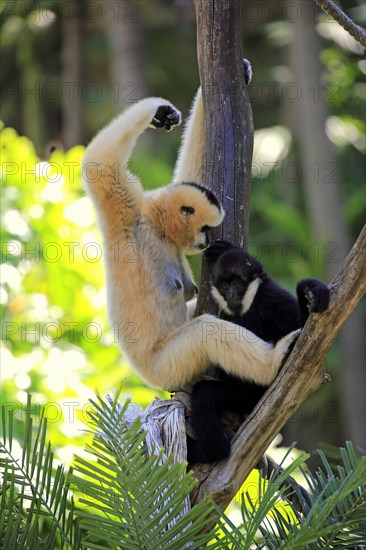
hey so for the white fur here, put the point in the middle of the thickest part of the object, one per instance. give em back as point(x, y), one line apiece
point(220, 300)
point(143, 265)
point(191, 158)
point(250, 295)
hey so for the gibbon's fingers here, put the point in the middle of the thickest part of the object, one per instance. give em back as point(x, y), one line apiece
point(166, 117)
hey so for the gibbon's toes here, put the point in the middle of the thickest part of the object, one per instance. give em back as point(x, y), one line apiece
point(286, 344)
point(318, 298)
point(166, 117)
point(293, 336)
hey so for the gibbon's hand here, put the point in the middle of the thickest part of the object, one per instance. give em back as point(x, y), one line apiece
point(317, 295)
point(248, 71)
point(216, 248)
point(165, 117)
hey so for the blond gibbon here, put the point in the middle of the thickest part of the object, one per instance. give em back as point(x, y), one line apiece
point(146, 237)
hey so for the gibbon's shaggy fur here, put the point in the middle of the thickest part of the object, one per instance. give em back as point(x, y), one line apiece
point(249, 297)
point(146, 236)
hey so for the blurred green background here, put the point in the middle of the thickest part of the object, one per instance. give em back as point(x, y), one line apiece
point(67, 69)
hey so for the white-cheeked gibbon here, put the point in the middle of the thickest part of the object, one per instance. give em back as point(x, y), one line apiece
point(146, 237)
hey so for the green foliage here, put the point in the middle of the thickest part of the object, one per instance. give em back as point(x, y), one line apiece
point(36, 506)
point(332, 513)
point(125, 499)
point(132, 501)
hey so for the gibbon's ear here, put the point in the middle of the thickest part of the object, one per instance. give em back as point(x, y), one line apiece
point(188, 210)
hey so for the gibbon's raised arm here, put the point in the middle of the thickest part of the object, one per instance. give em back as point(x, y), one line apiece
point(117, 193)
point(192, 154)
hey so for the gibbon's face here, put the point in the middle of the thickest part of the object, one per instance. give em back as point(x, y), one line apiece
point(189, 211)
point(235, 279)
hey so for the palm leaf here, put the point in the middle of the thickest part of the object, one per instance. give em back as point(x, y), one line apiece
point(132, 500)
point(333, 513)
point(36, 508)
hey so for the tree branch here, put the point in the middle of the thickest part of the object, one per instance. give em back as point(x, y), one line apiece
point(301, 375)
point(338, 15)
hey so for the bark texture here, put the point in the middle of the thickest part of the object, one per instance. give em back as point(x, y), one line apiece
point(228, 117)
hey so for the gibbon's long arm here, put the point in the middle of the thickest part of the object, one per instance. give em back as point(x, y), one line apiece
point(118, 194)
point(192, 154)
point(190, 165)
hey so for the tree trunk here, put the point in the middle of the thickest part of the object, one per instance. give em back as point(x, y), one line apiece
point(228, 118)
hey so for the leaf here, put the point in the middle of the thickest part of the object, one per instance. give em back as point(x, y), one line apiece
point(132, 500)
point(36, 509)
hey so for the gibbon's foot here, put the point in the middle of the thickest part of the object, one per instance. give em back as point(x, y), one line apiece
point(165, 117)
point(285, 345)
point(215, 450)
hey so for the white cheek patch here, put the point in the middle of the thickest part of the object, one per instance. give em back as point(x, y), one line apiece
point(220, 300)
point(249, 295)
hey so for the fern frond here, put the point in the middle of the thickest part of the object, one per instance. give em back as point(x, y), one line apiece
point(333, 512)
point(36, 508)
point(131, 500)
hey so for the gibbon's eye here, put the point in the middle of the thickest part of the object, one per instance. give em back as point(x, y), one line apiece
point(187, 210)
point(205, 228)
point(224, 286)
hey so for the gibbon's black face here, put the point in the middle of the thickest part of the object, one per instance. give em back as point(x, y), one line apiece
point(235, 279)
point(232, 290)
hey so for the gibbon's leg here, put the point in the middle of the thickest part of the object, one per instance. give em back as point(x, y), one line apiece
point(117, 193)
point(192, 153)
point(189, 351)
point(209, 399)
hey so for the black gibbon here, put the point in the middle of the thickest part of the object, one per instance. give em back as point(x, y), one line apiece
point(247, 296)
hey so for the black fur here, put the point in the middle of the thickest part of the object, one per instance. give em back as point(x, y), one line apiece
point(209, 194)
point(273, 313)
